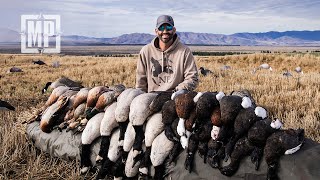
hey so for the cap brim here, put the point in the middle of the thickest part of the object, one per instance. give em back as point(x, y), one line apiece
point(164, 23)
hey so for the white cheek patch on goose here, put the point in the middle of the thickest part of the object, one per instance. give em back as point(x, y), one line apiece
point(98, 158)
point(84, 170)
point(185, 139)
point(175, 94)
point(196, 98)
point(181, 128)
point(220, 95)
point(215, 132)
point(276, 124)
point(293, 150)
point(260, 112)
point(246, 102)
point(143, 170)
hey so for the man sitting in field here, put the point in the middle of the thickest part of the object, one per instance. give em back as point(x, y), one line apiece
point(166, 64)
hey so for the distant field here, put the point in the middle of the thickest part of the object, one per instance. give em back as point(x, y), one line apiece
point(295, 100)
point(134, 49)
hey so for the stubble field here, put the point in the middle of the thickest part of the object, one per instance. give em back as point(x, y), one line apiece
point(295, 100)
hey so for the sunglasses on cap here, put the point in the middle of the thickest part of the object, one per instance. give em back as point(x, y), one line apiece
point(167, 27)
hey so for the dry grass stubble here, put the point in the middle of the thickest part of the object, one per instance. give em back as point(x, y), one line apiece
point(294, 101)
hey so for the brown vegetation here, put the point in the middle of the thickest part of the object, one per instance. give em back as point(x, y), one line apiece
point(295, 100)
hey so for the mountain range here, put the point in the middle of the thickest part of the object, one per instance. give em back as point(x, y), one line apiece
point(272, 38)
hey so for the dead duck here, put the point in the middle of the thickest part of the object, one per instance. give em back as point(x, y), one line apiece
point(252, 144)
point(93, 96)
point(47, 119)
point(184, 105)
point(106, 99)
point(56, 93)
point(158, 102)
point(63, 81)
point(4, 105)
point(244, 120)
point(169, 114)
point(279, 143)
point(198, 141)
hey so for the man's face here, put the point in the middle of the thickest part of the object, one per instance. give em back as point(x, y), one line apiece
point(165, 32)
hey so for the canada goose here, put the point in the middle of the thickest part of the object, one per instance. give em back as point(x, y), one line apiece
point(108, 123)
point(15, 69)
point(154, 127)
point(56, 64)
point(6, 106)
point(160, 149)
point(139, 112)
point(63, 81)
point(262, 66)
point(39, 62)
point(112, 155)
point(90, 133)
point(298, 70)
point(225, 67)
point(123, 109)
point(204, 71)
point(287, 74)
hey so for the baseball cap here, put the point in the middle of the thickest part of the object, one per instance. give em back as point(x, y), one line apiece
point(164, 19)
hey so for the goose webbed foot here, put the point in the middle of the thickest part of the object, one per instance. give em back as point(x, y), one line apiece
point(272, 172)
point(256, 156)
point(188, 164)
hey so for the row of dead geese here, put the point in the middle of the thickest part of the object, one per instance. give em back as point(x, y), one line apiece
point(142, 130)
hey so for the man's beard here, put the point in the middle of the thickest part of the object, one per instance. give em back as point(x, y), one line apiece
point(165, 40)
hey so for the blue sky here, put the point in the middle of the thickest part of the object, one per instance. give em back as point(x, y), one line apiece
point(110, 18)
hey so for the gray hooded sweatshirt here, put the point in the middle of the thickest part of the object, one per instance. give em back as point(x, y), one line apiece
point(172, 69)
